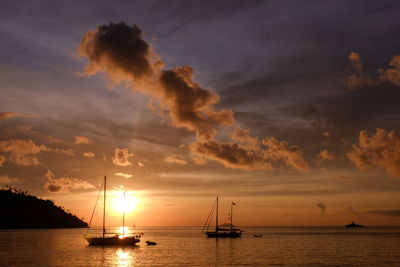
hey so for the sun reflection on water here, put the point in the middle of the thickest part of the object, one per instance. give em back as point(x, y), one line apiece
point(124, 258)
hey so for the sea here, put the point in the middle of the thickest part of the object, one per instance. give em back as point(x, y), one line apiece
point(186, 246)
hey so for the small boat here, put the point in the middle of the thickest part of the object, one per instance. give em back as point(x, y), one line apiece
point(257, 235)
point(151, 243)
point(220, 231)
point(110, 239)
point(353, 224)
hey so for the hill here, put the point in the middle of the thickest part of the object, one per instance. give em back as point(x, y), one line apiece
point(20, 210)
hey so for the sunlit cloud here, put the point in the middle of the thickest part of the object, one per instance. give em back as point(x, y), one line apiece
point(178, 159)
point(88, 154)
point(2, 160)
point(381, 149)
point(54, 140)
point(6, 115)
point(82, 140)
point(23, 151)
point(325, 155)
point(121, 157)
point(121, 174)
point(64, 184)
point(24, 128)
point(4, 179)
point(140, 164)
point(391, 74)
point(355, 77)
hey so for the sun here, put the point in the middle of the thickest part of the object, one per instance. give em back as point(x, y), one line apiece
point(127, 203)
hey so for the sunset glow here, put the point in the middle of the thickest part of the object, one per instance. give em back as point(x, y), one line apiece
point(121, 204)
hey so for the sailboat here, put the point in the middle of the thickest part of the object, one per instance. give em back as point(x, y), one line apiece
point(110, 239)
point(220, 231)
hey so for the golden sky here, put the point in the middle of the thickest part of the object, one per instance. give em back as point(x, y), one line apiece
point(295, 121)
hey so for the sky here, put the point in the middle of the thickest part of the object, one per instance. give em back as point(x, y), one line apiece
point(288, 108)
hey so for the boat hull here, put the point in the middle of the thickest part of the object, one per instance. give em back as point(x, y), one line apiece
point(112, 241)
point(223, 234)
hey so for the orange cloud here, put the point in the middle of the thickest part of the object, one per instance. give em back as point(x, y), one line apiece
point(4, 179)
point(325, 155)
point(22, 151)
point(121, 174)
point(379, 150)
point(64, 184)
point(6, 115)
point(88, 154)
point(355, 76)
point(243, 136)
point(54, 140)
point(82, 140)
point(178, 159)
point(121, 157)
point(392, 74)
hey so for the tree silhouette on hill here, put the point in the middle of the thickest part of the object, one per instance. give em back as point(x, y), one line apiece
point(20, 210)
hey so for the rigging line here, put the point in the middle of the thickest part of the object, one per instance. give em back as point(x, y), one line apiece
point(208, 220)
point(95, 205)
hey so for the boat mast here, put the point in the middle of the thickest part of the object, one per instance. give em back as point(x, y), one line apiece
point(123, 216)
point(216, 218)
point(104, 206)
point(231, 214)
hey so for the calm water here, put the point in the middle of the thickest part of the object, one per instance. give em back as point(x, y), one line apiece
point(279, 246)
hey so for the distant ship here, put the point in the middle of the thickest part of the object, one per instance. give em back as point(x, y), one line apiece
point(110, 239)
point(221, 231)
point(353, 224)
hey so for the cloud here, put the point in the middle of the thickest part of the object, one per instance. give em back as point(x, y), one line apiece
point(234, 156)
point(54, 140)
point(379, 150)
point(121, 157)
point(125, 175)
point(392, 74)
point(2, 160)
point(326, 134)
point(22, 151)
point(68, 152)
point(4, 179)
point(24, 128)
point(82, 140)
point(355, 77)
point(178, 159)
point(321, 207)
point(64, 184)
point(243, 136)
point(120, 51)
point(140, 164)
point(88, 154)
point(6, 115)
point(325, 155)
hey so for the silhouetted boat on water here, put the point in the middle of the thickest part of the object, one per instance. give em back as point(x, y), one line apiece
point(353, 224)
point(110, 239)
point(220, 231)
